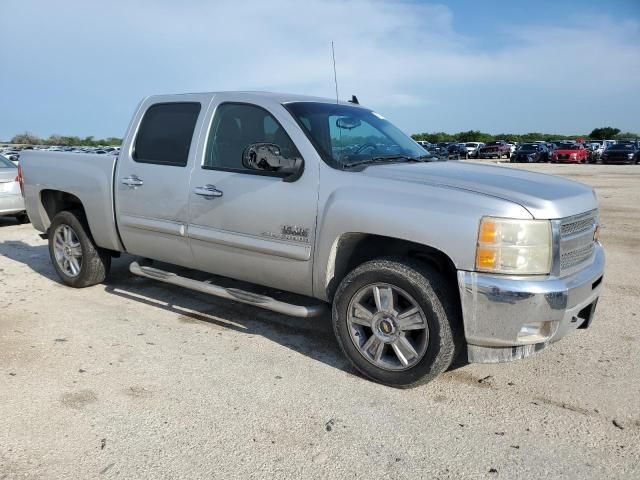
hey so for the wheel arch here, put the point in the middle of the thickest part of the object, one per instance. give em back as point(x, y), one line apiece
point(353, 249)
point(54, 201)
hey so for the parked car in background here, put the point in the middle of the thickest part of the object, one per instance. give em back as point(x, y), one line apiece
point(596, 149)
point(11, 201)
point(570, 153)
point(424, 144)
point(457, 151)
point(473, 148)
point(13, 155)
point(622, 152)
point(531, 153)
point(497, 149)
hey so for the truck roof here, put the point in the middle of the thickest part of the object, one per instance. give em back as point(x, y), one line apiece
point(273, 96)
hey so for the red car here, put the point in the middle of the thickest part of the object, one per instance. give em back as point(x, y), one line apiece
point(495, 149)
point(570, 153)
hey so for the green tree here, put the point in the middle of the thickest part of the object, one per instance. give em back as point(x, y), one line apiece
point(27, 138)
point(627, 135)
point(604, 133)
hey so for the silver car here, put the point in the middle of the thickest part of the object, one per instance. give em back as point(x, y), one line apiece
point(11, 201)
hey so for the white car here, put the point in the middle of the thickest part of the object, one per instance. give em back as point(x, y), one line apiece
point(472, 148)
point(11, 201)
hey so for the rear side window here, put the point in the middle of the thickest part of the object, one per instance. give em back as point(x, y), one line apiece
point(165, 133)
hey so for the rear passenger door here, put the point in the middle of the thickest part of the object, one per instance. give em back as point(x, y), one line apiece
point(152, 178)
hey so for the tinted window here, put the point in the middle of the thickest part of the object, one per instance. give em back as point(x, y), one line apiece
point(165, 134)
point(235, 126)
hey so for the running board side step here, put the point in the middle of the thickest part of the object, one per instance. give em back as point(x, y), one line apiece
point(241, 296)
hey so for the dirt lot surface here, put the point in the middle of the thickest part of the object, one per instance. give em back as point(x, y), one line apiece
point(135, 379)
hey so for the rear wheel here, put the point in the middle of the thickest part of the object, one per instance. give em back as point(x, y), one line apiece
point(77, 260)
point(397, 322)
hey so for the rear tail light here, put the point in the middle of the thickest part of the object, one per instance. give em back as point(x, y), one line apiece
point(20, 180)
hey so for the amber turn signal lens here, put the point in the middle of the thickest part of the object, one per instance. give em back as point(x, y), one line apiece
point(488, 232)
point(486, 258)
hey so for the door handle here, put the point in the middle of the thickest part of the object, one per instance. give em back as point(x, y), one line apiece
point(209, 191)
point(132, 181)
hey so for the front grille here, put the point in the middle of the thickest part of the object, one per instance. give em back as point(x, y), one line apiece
point(575, 257)
point(563, 156)
point(576, 239)
point(576, 226)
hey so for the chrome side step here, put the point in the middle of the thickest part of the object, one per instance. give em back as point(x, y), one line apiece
point(241, 296)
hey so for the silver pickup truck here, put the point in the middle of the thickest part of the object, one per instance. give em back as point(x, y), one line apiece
point(419, 260)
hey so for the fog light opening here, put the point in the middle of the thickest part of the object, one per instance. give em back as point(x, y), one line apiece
point(536, 332)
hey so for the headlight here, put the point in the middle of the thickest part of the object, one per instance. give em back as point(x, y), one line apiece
point(629, 156)
point(573, 155)
point(511, 246)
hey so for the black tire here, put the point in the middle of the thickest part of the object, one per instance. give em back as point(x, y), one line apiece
point(96, 262)
point(435, 297)
point(22, 218)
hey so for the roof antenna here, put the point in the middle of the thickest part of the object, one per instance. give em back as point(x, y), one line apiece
point(335, 76)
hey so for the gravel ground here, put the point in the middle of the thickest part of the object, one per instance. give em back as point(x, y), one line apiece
point(135, 379)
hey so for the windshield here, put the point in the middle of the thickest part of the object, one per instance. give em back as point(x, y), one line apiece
point(529, 148)
point(346, 135)
point(622, 146)
point(6, 163)
point(569, 146)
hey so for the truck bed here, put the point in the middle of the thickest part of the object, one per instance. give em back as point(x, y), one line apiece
point(89, 177)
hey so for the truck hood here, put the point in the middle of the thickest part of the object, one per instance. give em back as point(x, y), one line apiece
point(544, 196)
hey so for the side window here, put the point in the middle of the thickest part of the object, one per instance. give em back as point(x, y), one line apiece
point(235, 126)
point(165, 133)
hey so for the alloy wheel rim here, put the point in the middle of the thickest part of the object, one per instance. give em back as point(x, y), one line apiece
point(387, 327)
point(67, 250)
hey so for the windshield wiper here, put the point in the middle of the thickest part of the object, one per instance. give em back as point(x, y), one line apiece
point(371, 160)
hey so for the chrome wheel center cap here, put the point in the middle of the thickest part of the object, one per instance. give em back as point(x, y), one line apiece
point(385, 328)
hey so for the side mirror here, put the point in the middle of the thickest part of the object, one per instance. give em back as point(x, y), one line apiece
point(268, 157)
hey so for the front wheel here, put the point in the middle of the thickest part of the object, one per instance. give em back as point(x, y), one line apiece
point(77, 260)
point(397, 322)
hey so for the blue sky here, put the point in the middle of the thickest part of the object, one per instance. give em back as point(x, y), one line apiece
point(80, 67)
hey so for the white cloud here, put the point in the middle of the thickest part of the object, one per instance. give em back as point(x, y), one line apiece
point(396, 56)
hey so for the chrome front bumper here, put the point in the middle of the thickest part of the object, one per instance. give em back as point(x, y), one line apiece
point(495, 308)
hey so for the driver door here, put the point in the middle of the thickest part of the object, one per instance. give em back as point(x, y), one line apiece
point(245, 223)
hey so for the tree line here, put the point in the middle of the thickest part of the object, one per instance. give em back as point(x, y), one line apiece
point(28, 138)
point(604, 133)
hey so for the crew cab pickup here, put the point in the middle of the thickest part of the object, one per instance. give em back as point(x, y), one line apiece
point(419, 260)
point(496, 149)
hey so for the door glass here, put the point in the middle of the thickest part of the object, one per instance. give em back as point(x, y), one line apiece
point(234, 127)
point(165, 133)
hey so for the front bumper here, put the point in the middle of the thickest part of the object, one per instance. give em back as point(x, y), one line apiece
point(495, 308)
